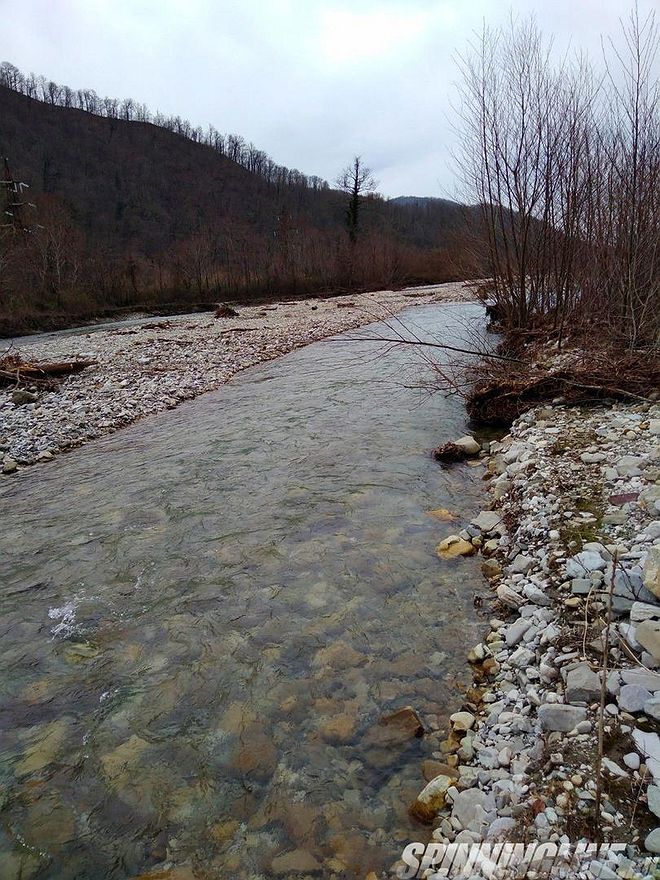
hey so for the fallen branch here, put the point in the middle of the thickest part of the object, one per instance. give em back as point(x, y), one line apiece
point(15, 371)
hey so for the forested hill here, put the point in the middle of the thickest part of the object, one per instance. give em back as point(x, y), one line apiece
point(135, 184)
point(131, 213)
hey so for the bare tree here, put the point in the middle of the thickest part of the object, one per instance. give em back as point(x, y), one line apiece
point(565, 165)
point(357, 181)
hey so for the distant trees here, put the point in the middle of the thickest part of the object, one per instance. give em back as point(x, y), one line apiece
point(357, 181)
point(232, 146)
point(565, 164)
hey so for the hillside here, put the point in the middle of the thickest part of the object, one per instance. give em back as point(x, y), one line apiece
point(129, 213)
point(135, 184)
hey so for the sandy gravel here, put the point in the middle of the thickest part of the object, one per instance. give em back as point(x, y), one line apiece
point(155, 363)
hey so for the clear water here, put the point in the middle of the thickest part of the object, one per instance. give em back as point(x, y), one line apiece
point(204, 616)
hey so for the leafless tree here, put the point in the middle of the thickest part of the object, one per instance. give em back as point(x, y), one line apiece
point(357, 181)
point(565, 164)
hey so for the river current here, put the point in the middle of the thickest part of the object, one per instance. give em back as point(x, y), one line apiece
point(204, 616)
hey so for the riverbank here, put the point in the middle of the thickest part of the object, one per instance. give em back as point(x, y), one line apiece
point(573, 527)
point(144, 367)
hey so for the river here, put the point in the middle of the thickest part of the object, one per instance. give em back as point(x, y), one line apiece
point(205, 615)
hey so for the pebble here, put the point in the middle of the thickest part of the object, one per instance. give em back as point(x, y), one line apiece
point(631, 760)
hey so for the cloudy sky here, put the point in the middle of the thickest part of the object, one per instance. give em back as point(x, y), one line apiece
point(312, 82)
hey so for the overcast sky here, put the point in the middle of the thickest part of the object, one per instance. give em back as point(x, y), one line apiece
point(311, 82)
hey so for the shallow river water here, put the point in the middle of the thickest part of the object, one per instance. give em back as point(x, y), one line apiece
point(204, 615)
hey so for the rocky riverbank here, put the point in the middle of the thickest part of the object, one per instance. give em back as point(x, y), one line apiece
point(148, 366)
point(571, 547)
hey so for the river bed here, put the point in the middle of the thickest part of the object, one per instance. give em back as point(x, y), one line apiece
point(205, 615)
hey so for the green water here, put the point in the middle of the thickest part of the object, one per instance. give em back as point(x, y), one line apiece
point(204, 615)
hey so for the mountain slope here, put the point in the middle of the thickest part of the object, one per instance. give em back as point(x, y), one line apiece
point(134, 183)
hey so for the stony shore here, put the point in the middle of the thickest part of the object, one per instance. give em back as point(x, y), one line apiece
point(148, 366)
point(570, 540)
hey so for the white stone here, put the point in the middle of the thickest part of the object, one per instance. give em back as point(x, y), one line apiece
point(516, 631)
point(614, 768)
point(487, 521)
point(509, 597)
point(652, 708)
point(468, 444)
point(647, 633)
point(582, 684)
point(632, 698)
point(652, 842)
point(585, 561)
point(631, 760)
point(521, 564)
point(653, 799)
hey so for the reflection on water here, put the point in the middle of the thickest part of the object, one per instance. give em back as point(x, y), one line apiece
point(204, 616)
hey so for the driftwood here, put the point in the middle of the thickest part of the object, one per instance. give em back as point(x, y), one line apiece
point(15, 371)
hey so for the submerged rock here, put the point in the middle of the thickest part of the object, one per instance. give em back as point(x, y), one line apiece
point(454, 546)
point(442, 514)
point(431, 799)
point(338, 729)
point(298, 861)
point(432, 769)
point(120, 765)
point(50, 740)
point(402, 724)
